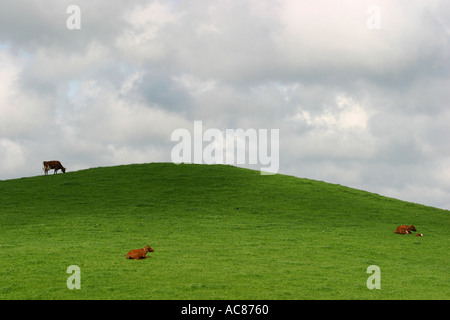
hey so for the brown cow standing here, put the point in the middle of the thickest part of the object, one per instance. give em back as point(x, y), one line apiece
point(138, 254)
point(56, 165)
point(404, 229)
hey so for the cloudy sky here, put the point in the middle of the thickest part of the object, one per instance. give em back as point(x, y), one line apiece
point(359, 90)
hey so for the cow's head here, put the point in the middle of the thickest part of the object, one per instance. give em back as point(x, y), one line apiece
point(148, 249)
point(63, 170)
point(412, 228)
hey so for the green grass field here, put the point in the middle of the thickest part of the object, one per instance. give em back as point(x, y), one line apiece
point(219, 232)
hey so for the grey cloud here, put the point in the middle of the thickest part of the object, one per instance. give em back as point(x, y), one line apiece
point(30, 25)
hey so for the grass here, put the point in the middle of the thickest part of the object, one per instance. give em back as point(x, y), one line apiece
point(219, 232)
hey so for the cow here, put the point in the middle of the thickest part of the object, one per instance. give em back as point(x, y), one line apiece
point(138, 254)
point(55, 165)
point(404, 229)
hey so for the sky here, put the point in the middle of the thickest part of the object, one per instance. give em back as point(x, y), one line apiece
point(358, 90)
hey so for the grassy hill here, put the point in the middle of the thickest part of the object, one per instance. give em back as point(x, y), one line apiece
point(219, 232)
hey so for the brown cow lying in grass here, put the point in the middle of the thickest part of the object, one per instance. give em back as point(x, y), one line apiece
point(404, 229)
point(138, 254)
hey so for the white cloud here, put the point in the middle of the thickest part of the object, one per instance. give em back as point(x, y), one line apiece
point(142, 41)
point(359, 107)
point(109, 117)
point(21, 114)
point(50, 64)
point(10, 67)
point(13, 157)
